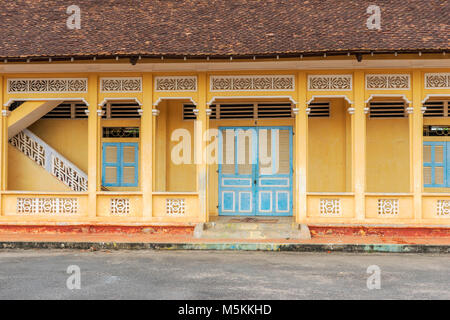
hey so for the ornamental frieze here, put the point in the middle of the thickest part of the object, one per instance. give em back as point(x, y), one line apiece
point(388, 82)
point(42, 85)
point(325, 82)
point(176, 83)
point(133, 84)
point(253, 83)
point(437, 80)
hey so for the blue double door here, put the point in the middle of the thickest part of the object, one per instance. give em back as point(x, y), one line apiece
point(255, 171)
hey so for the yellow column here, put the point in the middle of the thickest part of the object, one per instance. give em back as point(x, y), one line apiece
point(146, 175)
point(93, 145)
point(2, 135)
point(3, 138)
point(416, 142)
point(359, 145)
point(301, 150)
point(200, 156)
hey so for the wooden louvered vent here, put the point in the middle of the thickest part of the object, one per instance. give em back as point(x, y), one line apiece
point(436, 109)
point(115, 110)
point(68, 110)
point(319, 110)
point(387, 109)
point(243, 111)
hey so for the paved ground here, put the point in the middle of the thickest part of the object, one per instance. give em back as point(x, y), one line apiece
point(42, 274)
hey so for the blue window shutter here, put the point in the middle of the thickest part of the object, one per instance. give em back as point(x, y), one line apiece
point(111, 169)
point(448, 164)
point(436, 168)
point(129, 164)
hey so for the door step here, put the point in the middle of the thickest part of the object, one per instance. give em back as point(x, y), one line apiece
point(252, 229)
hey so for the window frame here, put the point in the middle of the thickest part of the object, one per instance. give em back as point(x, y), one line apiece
point(433, 164)
point(120, 164)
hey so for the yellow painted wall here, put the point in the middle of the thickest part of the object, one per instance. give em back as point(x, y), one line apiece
point(387, 157)
point(68, 137)
point(173, 177)
point(327, 150)
point(25, 175)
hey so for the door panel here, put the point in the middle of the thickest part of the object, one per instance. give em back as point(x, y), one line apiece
point(255, 171)
point(274, 179)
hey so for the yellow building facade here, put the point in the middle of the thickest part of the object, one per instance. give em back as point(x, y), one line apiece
point(365, 143)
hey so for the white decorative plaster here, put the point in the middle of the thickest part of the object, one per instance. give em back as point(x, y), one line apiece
point(175, 207)
point(50, 206)
point(330, 207)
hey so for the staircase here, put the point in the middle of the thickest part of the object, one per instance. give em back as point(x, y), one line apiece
point(252, 229)
point(50, 159)
point(28, 113)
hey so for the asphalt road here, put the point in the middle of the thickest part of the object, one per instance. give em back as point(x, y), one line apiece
point(42, 274)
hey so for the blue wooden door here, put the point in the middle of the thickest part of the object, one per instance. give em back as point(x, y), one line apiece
point(274, 173)
point(255, 171)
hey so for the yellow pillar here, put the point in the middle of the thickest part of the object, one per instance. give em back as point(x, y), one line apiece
point(3, 138)
point(359, 145)
point(93, 145)
point(146, 175)
point(201, 125)
point(416, 142)
point(301, 150)
point(2, 135)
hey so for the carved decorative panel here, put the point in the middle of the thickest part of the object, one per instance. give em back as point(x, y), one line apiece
point(325, 82)
point(175, 207)
point(176, 83)
point(60, 85)
point(133, 84)
point(120, 207)
point(437, 80)
point(30, 147)
point(68, 175)
point(388, 207)
point(330, 207)
point(253, 83)
point(388, 82)
point(47, 205)
point(443, 208)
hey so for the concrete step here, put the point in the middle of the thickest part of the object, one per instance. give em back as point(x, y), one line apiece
point(247, 226)
point(224, 229)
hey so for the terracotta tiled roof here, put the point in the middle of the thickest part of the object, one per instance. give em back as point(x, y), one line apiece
point(216, 28)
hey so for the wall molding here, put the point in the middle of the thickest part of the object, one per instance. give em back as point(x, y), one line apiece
point(329, 96)
point(213, 99)
point(105, 100)
point(381, 95)
point(8, 103)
